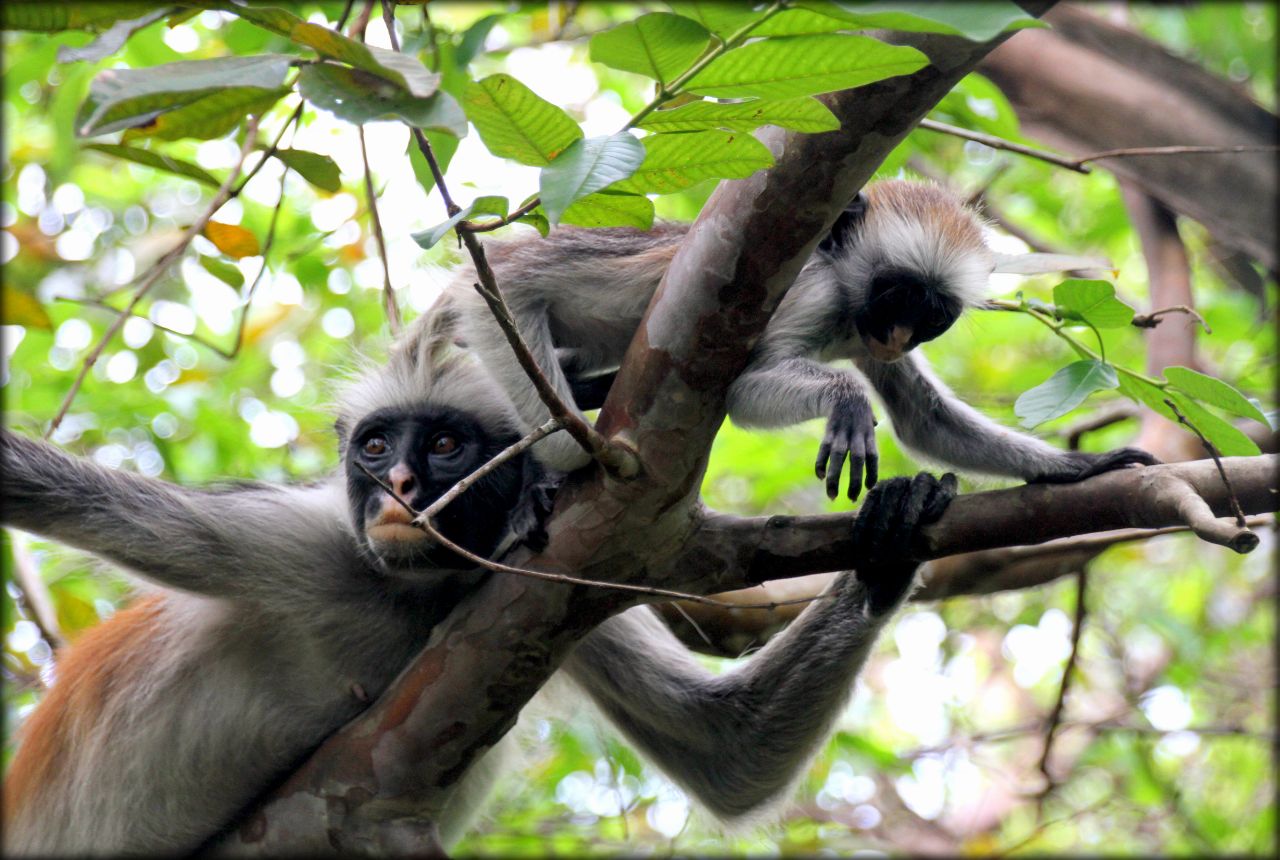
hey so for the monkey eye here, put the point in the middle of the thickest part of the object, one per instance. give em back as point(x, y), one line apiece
point(375, 445)
point(445, 443)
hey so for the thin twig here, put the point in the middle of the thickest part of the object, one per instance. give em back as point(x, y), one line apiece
point(1152, 320)
point(157, 269)
point(501, 457)
point(1217, 461)
point(1000, 143)
point(1175, 150)
point(561, 578)
point(615, 459)
point(34, 594)
point(389, 19)
point(388, 295)
point(1055, 716)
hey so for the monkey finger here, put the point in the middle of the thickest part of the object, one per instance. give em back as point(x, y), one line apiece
point(834, 470)
point(873, 467)
point(855, 477)
point(824, 453)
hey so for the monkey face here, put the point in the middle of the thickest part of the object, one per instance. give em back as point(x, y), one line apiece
point(420, 454)
point(902, 311)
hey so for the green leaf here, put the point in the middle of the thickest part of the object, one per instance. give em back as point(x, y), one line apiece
point(803, 114)
point(156, 160)
point(718, 16)
point(976, 20)
point(804, 66)
point(658, 45)
point(585, 167)
point(223, 271)
point(608, 209)
point(46, 17)
point(320, 170)
point(21, 308)
point(122, 98)
point(473, 40)
point(676, 161)
point(1094, 302)
point(1151, 396)
point(480, 206)
point(536, 218)
point(1064, 391)
point(110, 41)
point(359, 97)
point(208, 116)
point(401, 69)
point(1225, 436)
point(1213, 391)
point(515, 123)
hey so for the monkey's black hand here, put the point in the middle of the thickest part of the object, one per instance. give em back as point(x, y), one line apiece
point(589, 392)
point(528, 521)
point(851, 433)
point(1078, 465)
point(885, 527)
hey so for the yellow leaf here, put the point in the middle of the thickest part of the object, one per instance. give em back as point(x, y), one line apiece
point(232, 240)
point(24, 309)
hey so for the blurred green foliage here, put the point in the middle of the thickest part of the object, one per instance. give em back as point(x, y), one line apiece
point(1167, 744)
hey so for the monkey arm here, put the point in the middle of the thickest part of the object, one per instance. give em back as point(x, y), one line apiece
point(229, 542)
point(929, 418)
point(738, 740)
point(778, 392)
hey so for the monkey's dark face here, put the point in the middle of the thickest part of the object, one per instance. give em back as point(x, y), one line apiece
point(421, 454)
point(901, 312)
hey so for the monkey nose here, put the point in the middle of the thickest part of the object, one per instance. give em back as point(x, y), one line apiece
point(402, 480)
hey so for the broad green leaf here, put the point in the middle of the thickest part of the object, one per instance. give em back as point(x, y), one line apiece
point(658, 45)
point(1094, 302)
point(804, 66)
point(1213, 391)
point(443, 146)
point(1064, 391)
point(401, 69)
point(46, 17)
point(536, 218)
point(22, 308)
point(722, 17)
point(606, 209)
point(676, 161)
point(473, 40)
point(359, 97)
point(1225, 436)
point(515, 123)
point(121, 98)
point(208, 116)
point(492, 205)
point(320, 170)
point(232, 239)
point(223, 271)
point(803, 114)
point(156, 160)
point(1151, 396)
point(585, 167)
point(976, 20)
point(110, 41)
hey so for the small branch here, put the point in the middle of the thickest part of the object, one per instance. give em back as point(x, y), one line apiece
point(1055, 716)
point(616, 459)
point(1000, 143)
point(1173, 150)
point(1217, 461)
point(1103, 419)
point(429, 513)
point(389, 19)
point(158, 268)
point(388, 294)
point(1152, 320)
point(497, 567)
point(34, 593)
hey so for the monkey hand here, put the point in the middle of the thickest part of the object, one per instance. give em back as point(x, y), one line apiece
point(851, 433)
point(1075, 466)
point(885, 528)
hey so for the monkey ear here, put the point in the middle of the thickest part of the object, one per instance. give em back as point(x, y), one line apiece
point(343, 429)
point(846, 222)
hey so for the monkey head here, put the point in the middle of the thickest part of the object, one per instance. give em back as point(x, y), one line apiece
point(909, 258)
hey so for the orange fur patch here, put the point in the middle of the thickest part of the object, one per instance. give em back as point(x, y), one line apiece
point(73, 705)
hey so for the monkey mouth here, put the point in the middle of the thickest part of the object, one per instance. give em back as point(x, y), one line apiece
point(899, 344)
point(394, 533)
